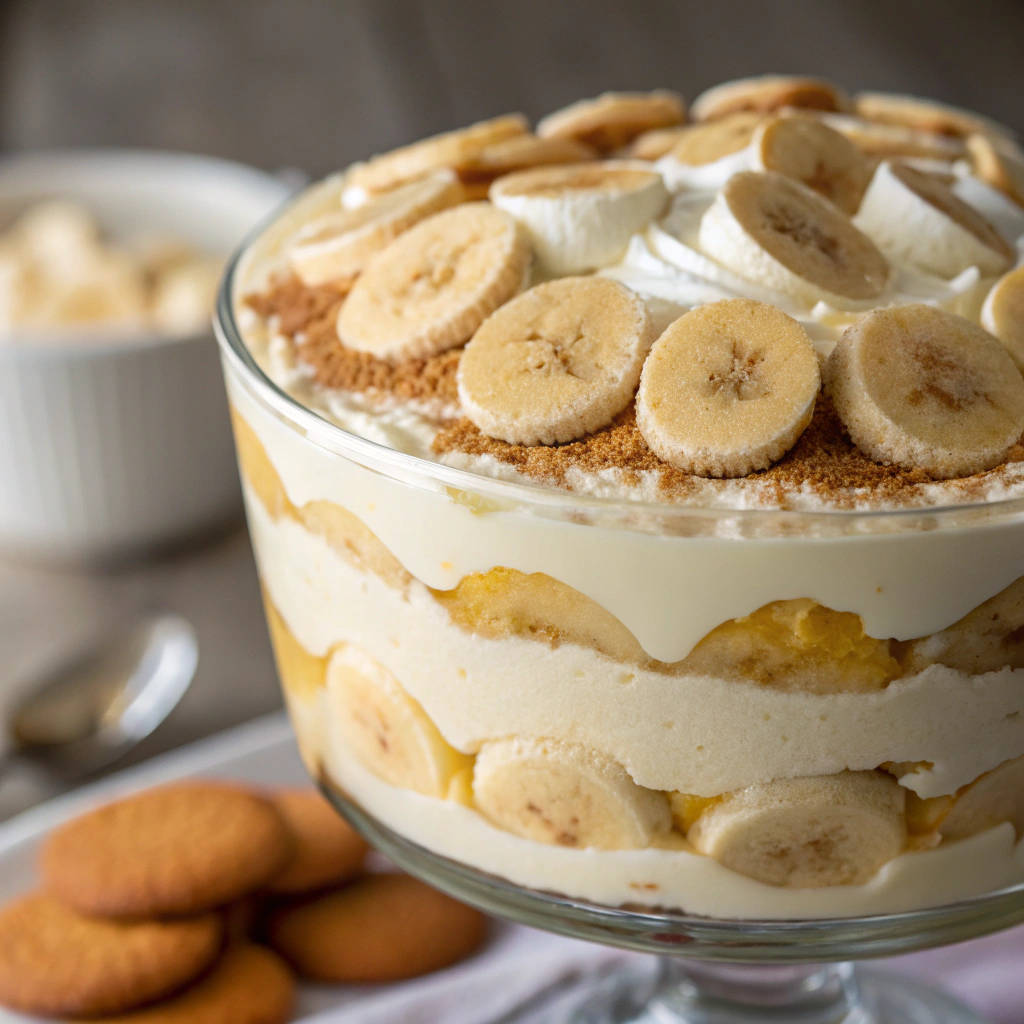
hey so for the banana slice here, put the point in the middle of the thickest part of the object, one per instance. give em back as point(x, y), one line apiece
point(776, 232)
point(554, 792)
point(708, 155)
point(434, 285)
point(998, 164)
point(727, 389)
point(1002, 212)
point(811, 152)
point(893, 140)
point(614, 119)
point(925, 115)
point(337, 246)
point(676, 239)
point(557, 362)
point(580, 217)
point(987, 639)
point(655, 144)
point(1003, 314)
point(884, 141)
point(450, 149)
point(926, 389)
point(996, 796)
point(385, 728)
point(519, 153)
point(765, 94)
point(914, 217)
point(806, 833)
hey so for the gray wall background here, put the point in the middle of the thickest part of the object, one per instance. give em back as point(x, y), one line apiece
point(317, 83)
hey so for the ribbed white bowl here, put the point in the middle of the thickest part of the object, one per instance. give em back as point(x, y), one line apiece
point(111, 446)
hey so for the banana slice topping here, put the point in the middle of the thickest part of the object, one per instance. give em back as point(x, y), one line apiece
point(779, 233)
point(337, 246)
point(385, 728)
point(557, 362)
point(998, 163)
point(450, 149)
point(702, 144)
point(561, 793)
point(811, 152)
point(915, 217)
point(807, 833)
point(519, 153)
point(434, 285)
point(707, 155)
point(925, 115)
point(727, 389)
point(876, 139)
point(614, 119)
point(1003, 314)
point(926, 389)
point(580, 217)
point(655, 144)
point(765, 94)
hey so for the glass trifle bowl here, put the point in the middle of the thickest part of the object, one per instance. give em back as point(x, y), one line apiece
point(755, 723)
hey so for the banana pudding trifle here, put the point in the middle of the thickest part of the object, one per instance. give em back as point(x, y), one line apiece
point(639, 498)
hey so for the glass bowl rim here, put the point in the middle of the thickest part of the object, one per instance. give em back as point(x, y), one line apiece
point(537, 497)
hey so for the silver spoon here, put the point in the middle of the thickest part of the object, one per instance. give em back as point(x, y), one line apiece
point(99, 704)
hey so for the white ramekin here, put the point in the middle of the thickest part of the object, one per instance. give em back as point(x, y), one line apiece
point(114, 446)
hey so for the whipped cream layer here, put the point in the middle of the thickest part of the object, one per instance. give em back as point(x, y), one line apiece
point(662, 877)
point(691, 733)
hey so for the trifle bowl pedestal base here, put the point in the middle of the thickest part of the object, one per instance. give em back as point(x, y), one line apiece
point(712, 971)
point(694, 992)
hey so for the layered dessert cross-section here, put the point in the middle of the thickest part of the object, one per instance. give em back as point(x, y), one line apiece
point(638, 498)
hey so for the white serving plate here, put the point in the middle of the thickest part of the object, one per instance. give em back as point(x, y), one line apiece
point(517, 964)
point(262, 752)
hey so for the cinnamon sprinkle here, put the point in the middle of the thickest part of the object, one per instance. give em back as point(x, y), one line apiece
point(823, 462)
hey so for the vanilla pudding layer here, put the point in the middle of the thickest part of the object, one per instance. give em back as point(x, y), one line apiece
point(689, 732)
point(668, 873)
point(670, 876)
point(699, 734)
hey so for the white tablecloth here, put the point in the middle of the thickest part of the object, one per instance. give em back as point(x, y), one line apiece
point(529, 975)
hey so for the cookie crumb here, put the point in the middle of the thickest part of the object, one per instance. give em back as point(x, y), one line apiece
point(308, 317)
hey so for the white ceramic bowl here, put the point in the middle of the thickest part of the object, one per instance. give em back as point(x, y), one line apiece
point(114, 446)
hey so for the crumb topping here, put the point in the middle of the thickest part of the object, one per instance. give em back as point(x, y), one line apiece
point(307, 317)
point(823, 462)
